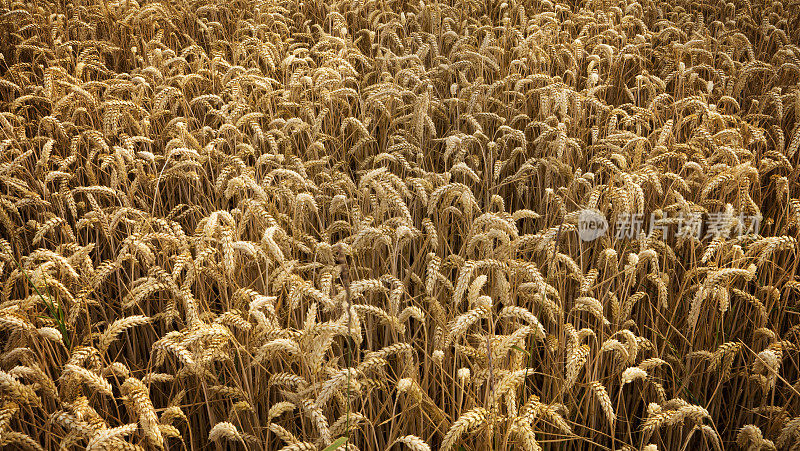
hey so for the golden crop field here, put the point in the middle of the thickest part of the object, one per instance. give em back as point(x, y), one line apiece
point(399, 224)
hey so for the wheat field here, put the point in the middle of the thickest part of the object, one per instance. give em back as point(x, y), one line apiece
point(359, 225)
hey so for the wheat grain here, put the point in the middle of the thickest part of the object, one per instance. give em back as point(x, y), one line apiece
point(118, 327)
point(605, 402)
point(224, 430)
point(103, 440)
point(468, 421)
point(413, 442)
point(633, 373)
point(138, 401)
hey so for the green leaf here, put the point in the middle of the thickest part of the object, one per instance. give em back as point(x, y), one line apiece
point(54, 308)
point(336, 444)
point(521, 350)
